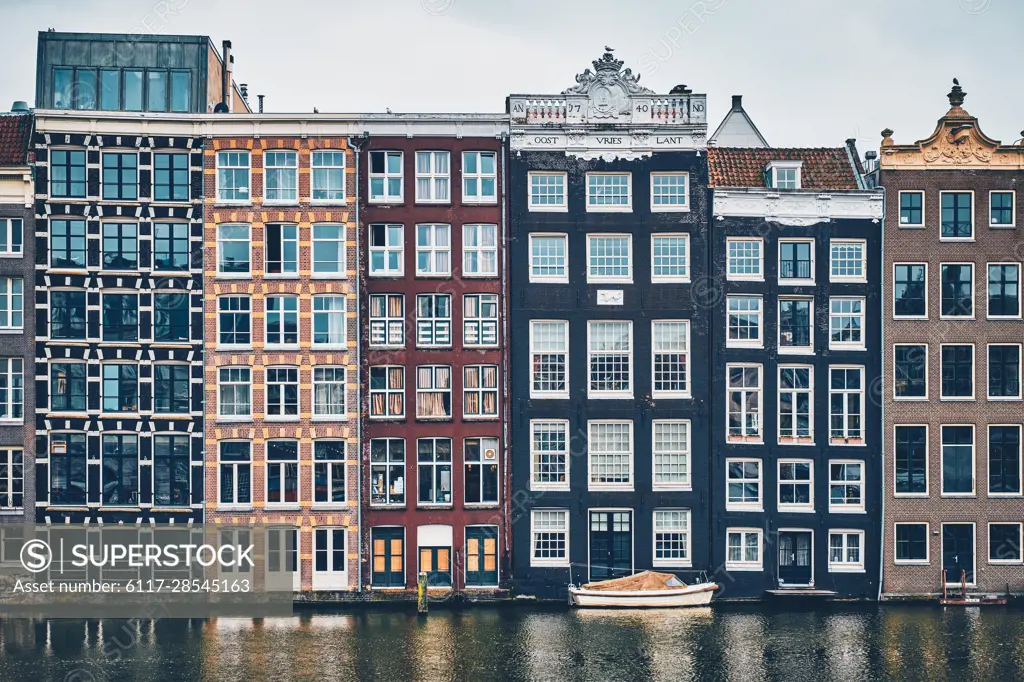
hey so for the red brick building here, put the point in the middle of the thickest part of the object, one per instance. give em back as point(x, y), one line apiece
point(954, 503)
point(434, 357)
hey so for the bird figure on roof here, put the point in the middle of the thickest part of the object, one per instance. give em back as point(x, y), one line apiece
point(609, 49)
point(956, 82)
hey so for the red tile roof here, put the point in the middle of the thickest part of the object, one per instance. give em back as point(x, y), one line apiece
point(15, 134)
point(823, 168)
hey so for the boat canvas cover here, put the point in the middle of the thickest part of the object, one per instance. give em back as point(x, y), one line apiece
point(645, 581)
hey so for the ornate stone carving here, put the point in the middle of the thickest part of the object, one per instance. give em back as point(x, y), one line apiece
point(797, 208)
point(608, 87)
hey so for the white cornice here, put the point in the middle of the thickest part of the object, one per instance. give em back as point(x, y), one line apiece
point(797, 208)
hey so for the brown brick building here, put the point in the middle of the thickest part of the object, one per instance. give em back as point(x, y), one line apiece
point(281, 341)
point(953, 333)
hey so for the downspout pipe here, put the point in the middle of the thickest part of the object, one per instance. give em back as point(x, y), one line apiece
point(506, 359)
point(881, 397)
point(354, 144)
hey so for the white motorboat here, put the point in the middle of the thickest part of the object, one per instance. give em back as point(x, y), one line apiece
point(643, 590)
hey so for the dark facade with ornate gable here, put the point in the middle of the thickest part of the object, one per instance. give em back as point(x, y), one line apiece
point(119, 276)
point(795, 433)
point(609, 340)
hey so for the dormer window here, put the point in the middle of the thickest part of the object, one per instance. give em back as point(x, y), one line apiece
point(783, 174)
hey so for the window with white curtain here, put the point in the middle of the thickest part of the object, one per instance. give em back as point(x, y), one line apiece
point(387, 392)
point(480, 320)
point(329, 392)
point(433, 250)
point(387, 320)
point(479, 177)
point(480, 250)
point(434, 320)
point(281, 176)
point(329, 321)
point(433, 177)
point(480, 391)
point(434, 392)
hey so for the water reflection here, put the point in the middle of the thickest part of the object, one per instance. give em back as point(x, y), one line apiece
point(725, 643)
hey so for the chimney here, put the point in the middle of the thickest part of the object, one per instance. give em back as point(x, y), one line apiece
point(226, 75)
point(19, 107)
point(260, 98)
point(244, 89)
point(737, 102)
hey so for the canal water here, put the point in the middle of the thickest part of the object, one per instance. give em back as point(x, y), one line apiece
point(722, 643)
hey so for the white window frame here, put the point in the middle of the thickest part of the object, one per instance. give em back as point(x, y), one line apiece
point(389, 322)
point(266, 394)
point(243, 153)
point(744, 564)
point(795, 350)
point(684, 353)
point(330, 313)
point(434, 177)
point(796, 440)
point(550, 425)
point(848, 508)
point(685, 453)
point(478, 177)
point(844, 441)
point(927, 450)
point(757, 437)
point(550, 279)
point(974, 461)
point(734, 277)
point(927, 544)
point(330, 579)
point(1020, 303)
point(665, 208)
point(974, 218)
point(535, 207)
point(281, 465)
point(846, 566)
point(387, 392)
point(974, 374)
point(313, 167)
point(9, 228)
point(1013, 209)
point(927, 369)
point(685, 237)
point(386, 197)
point(534, 393)
point(221, 384)
point(974, 291)
point(774, 166)
point(622, 279)
point(433, 389)
point(1020, 372)
point(434, 324)
point(631, 454)
point(14, 385)
point(433, 250)
point(294, 168)
point(796, 281)
point(282, 312)
point(331, 480)
point(564, 530)
point(756, 506)
point(926, 296)
point(832, 315)
point(609, 208)
point(685, 530)
point(596, 394)
point(1020, 544)
point(387, 250)
point(342, 245)
point(837, 243)
point(318, 413)
point(480, 249)
point(807, 507)
point(481, 322)
point(899, 208)
point(234, 466)
point(480, 391)
point(744, 343)
point(8, 455)
point(220, 243)
point(249, 312)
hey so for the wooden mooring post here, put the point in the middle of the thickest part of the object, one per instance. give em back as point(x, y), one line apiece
point(421, 594)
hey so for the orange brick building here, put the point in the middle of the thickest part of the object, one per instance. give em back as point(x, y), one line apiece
point(281, 345)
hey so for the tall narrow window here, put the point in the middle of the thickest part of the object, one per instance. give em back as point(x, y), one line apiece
point(387, 320)
point(67, 173)
point(549, 259)
point(796, 395)
point(957, 371)
point(120, 246)
point(845, 486)
point(957, 460)
point(1001, 209)
point(433, 177)
point(670, 347)
point(743, 403)
point(171, 471)
point(670, 258)
point(795, 334)
point(282, 320)
point(910, 295)
point(433, 250)
point(328, 176)
point(846, 323)
point(957, 215)
point(328, 250)
point(234, 253)
point(329, 321)
point(12, 391)
point(1004, 290)
point(910, 366)
point(743, 321)
point(434, 320)
point(67, 387)
point(957, 289)
point(67, 310)
point(480, 391)
point(281, 175)
point(671, 455)
point(234, 392)
point(156, 91)
point(385, 177)
point(610, 358)
point(282, 391)
point(282, 472)
point(234, 321)
point(387, 251)
point(120, 387)
point(67, 469)
point(387, 392)
point(434, 392)
point(549, 454)
point(12, 478)
point(796, 485)
point(480, 250)
point(120, 470)
point(480, 320)
point(12, 304)
point(329, 472)
point(387, 471)
point(120, 317)
point(171, 389)
point(911, 459)
point(434, 470)
point(282, 249)
point(235, 473)
point(1004, 371)
point(121, 176)
point(549, 359)
point(1004, 459)
point(846, 405)
point(171, 249)
point(67, 244)
point(170, 177)
point(233, 176)
point(743, 484)
point(479, 177)
point(610, 450)
point(181, 90)
point(330, 392)
point(481, 462)
point(911, 209)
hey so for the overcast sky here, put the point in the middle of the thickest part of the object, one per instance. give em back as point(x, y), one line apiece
point(812, 72)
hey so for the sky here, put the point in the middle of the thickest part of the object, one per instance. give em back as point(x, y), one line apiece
point(811, 72)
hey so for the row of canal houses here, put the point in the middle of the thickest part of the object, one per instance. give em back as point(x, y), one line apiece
point(570, 341)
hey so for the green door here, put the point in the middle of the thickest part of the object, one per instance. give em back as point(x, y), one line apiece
point(388, 557)
point(482, 556)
